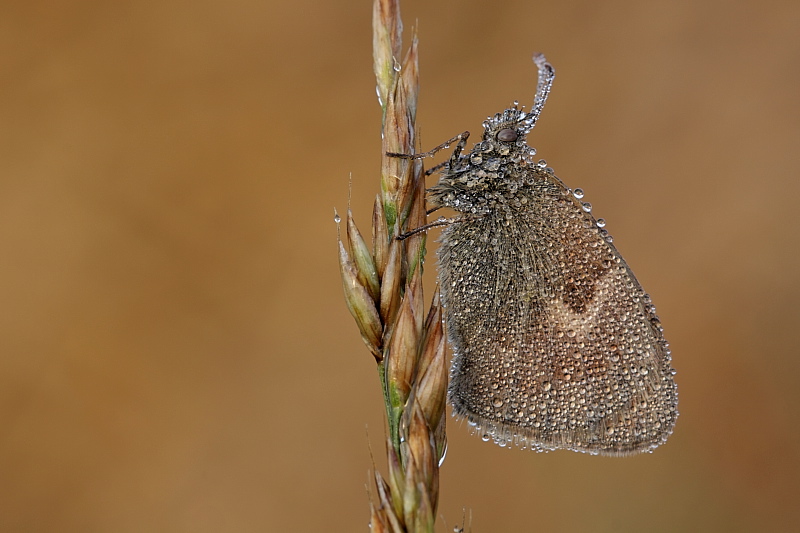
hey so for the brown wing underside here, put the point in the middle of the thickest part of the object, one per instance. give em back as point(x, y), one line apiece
point(555, 342)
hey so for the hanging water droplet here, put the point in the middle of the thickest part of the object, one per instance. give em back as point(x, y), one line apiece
point(578, 193)
point(587, 207)
point(601, 222)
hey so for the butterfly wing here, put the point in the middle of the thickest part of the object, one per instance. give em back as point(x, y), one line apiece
point(555, 343)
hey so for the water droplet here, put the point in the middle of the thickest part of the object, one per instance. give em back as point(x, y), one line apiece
point(485, 437)
point(546, 386)
point(378, 92)
point(336, 217)
point(497, 402)
point(396, 64)
point(578, 193)
point(492, 164)
point(601, 222)
point(587, 207)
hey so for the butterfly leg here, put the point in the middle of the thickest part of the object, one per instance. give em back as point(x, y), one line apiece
point(441, 221)
point(462, 142)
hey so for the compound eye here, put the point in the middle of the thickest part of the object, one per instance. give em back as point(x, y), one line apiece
point(507, 135)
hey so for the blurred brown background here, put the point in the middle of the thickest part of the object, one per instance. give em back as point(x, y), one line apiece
point(175, 354)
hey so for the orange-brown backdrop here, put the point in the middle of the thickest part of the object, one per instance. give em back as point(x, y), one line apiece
point(175, 354)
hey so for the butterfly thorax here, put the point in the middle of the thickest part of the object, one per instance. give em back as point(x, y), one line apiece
point(497, 174)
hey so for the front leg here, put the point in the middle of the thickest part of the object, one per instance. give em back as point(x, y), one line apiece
point(462, 142)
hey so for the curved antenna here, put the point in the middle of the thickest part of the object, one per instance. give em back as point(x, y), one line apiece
point(546, 75)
